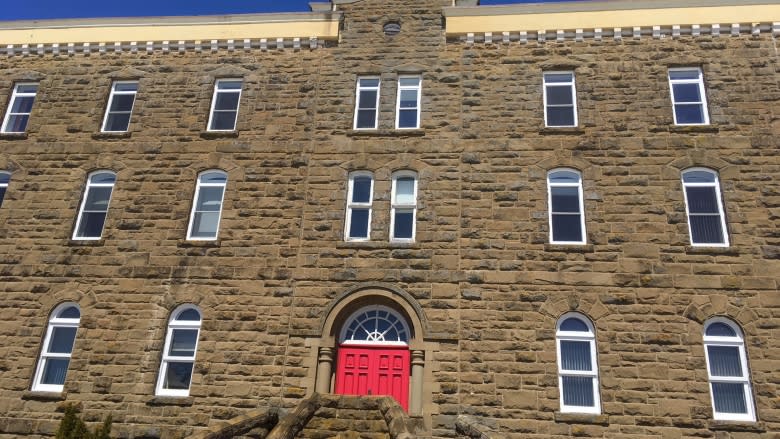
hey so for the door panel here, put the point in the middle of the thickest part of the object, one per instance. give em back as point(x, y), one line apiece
point(374, 371)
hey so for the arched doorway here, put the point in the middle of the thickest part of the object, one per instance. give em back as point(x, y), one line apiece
point(373, 354)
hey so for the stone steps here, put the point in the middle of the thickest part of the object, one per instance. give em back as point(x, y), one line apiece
point(346, 417)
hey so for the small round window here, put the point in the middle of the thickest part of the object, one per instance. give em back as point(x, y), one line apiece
point(392, 28)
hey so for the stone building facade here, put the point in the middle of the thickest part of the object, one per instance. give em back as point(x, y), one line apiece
point(482, 288)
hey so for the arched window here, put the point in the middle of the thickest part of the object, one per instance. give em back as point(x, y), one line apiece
point(207, 207)
point(403, 207)
point(178, 359)
point(57, 348)
point(727, 368)
point(94, 205)
point(357, 225)
point(375, 324)
point(704, 206)
point(5, 178)
point(578, 378)
point(567, 216)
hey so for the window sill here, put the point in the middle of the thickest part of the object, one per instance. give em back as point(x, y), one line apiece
point(182, 401)
point(376, 244)
point(86, 242)
point(210, 135)
point(744, 426)
point(581, 418)
point(693, 129)
point(703, 250)
point(184, 243)
point(569, 248)
point(43, 396)
point(386, 133)
point(561, 130)
point(13, 136)
point(112, 136)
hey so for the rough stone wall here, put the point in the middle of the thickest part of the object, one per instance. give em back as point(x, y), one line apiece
point(481, 267)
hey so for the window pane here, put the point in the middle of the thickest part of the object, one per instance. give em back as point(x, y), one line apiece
point(686, 93)
point(566, 228)
point(178, 375)
point(684, 74)
point(2, 194)
point(223, 120)
point(565, 199)
point(578, 391)
point(213, 177)
point(17, 123)
point(91, 225)
point(22, 104)
point(558, 77)
point(204, 225)
point(404, 190)
point(403, 224)
point(369, 82)
point(699, 177)
point(183, 343)
point(689, 113)
point(408, 98)
point(729, 397)
point(122, 102)
point(724, 361)
point(189, 315)
point(366, 119)
point(54, 371)
point(706, 229)
point(560, 116)
point(210, 199)
point(408, 82)
point(407, 119)
point(367, 99)
point(361, 189)
point(575, 355)
point(358, 226)
point(721, 330)
point(574, 325)
point(70, 312)
point(126, 86)
point(229, 85)
point(564, 177)
point(98, 199)
point(559, 95)
point(117, 122)
point(226, 101)
point(61, 341)
point(5, 178)
point(29, 88)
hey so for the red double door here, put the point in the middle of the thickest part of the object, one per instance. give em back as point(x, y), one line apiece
point(374, 370)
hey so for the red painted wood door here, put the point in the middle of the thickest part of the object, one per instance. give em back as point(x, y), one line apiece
point(374, 370)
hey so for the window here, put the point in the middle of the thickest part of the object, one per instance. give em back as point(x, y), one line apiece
point(403, 206)
point(408, 109)
point(727, 369)
point(5, 178)
point(57, 348)
point(94, 206)
point(567, 219)
point(224, 105)
point(207, 207)
point(120, 106)
point(578, 378)
point(359, 199)
point(703, 204)
point(560, 100)
point(178, 359)
point(375, 324)
point(20, 107)
point(367, 103)
point(688, 98)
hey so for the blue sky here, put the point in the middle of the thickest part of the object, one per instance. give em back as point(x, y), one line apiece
point(42, 9)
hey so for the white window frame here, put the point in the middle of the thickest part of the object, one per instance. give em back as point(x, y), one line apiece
point(15, 94)
point(719, 201)
point(54, 322)
point(739, 342)
point(214, 102)
point(115, 92)
point(394, 206)
point(418, 89)
point(359, 314)
point(589, 337)
point(578, 185)
point(84, 197)
point(4, 185)
point(174, 324)
point(357, 205)
point(699, 82)
point(358, 89)
point(573, 97)
point(198, 186)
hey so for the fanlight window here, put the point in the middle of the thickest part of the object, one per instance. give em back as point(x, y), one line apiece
point(375, 325)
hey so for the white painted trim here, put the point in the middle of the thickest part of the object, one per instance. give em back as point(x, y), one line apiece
point(352, 205)
point(702, 93)
point(739, 342)
point(198, 186)
point(572, 83)
point(54, 322)
point(358, 89)
point(14, 95)
point(719, 200)
point(174, 324)
point(113, 93)
point(578, 185)
point(87, 189)
point(589, 337)
point(418, 105)
point(214, 102)
point(394, 206)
